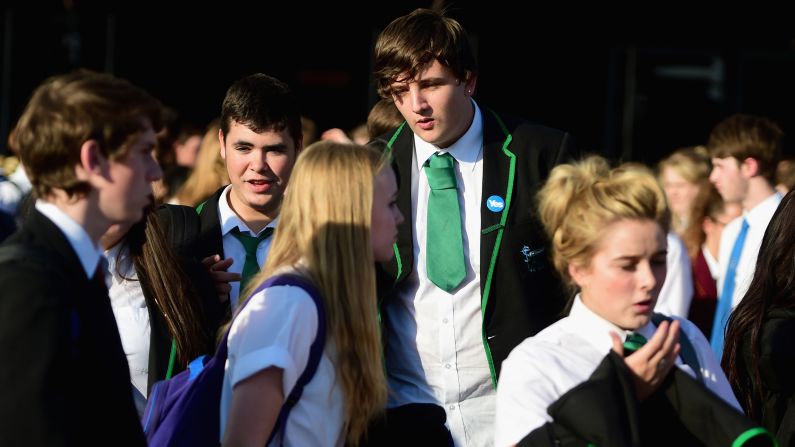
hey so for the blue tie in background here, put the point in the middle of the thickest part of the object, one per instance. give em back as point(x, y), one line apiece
point(725, 301)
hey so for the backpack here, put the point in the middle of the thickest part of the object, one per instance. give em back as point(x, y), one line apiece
point(185, 410)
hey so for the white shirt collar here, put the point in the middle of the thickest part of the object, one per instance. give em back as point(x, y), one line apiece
point(87, 252)
point(230, 220)
point(596, 330)
point(466, 150)
point(760, 214)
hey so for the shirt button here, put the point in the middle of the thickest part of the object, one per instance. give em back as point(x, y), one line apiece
point(447, 365)
point(451, 407)
point(444, 321)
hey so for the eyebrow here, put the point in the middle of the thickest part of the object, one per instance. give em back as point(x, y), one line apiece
point(635, 257)
point(244, 143)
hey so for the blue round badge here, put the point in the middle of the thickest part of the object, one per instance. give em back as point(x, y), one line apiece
point(495, 204)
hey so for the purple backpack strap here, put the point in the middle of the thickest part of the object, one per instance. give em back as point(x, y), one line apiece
point(315, 351)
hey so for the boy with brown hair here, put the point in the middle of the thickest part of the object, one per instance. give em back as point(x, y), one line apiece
point(471, 274)
point(86, 141)
point(745, 150)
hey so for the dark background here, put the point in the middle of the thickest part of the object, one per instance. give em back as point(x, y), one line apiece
point(631, 88)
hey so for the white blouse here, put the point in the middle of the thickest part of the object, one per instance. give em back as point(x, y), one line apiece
point(276, 329)
point(132, 317)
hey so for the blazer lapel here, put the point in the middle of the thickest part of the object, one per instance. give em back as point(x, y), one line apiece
point(496, 170)
point(402, 151)
point(210, 240)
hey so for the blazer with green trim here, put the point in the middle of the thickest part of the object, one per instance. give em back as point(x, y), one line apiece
point(521, 293)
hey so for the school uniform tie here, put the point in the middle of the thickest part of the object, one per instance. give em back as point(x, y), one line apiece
point(725, 301)
point(250, 244)
point(101, 274)
point(444, 248)
point(633, 342)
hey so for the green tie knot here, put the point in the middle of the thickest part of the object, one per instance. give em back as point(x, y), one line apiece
point(440, 172)
point(250, 244)
point(634, 342)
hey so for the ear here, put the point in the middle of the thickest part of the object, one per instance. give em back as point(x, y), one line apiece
point(749, 167)
point(92, 161)
point(579, 274)
point(470, 83)
point(221, 141)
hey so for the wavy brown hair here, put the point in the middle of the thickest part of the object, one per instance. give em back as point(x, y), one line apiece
point(175, 297)
point(412, 42)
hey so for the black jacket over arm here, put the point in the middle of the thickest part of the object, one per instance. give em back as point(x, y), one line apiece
point(64, 378)
point(520, 292)
point(604, 410)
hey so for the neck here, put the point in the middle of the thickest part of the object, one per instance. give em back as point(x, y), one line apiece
point(83, 210)
point(713, 244)
point(759, 189)
point(466, 124)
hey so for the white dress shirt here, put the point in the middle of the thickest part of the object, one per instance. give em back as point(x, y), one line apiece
point(757, 218)
point(712, 263)
point(677, 290)
point(233, 248)
point(435, 353)
point(276, 329)
point(87, 251)
point(132, 315)
point(543, 368)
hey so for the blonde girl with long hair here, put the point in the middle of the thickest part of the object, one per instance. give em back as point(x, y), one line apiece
point(338, 218)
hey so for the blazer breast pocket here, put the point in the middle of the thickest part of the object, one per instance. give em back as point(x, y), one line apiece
point(526, 246)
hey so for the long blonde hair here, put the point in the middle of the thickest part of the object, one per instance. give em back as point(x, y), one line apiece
point(579, 200)
point(209, 174)
point(325, 223)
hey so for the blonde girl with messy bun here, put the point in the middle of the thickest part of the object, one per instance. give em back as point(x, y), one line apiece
point(608, 232)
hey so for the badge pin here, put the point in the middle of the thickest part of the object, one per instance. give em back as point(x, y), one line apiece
point(495, 204)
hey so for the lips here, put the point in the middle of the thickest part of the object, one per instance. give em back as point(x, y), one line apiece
point(643, 306)
point(260, 186)
point(426, 123)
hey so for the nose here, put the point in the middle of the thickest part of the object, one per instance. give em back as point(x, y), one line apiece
point(713, 177)
point(154, 172)
point(259, 161)
point(647, 278)
point(398, 217)
point(418, 103)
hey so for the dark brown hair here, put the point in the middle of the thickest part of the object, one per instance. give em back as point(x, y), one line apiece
point(175, 297)
point(261, 102)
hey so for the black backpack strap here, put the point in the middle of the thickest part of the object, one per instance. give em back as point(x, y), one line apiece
point(688, 352)
point(315, 351)
point(182, 227)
